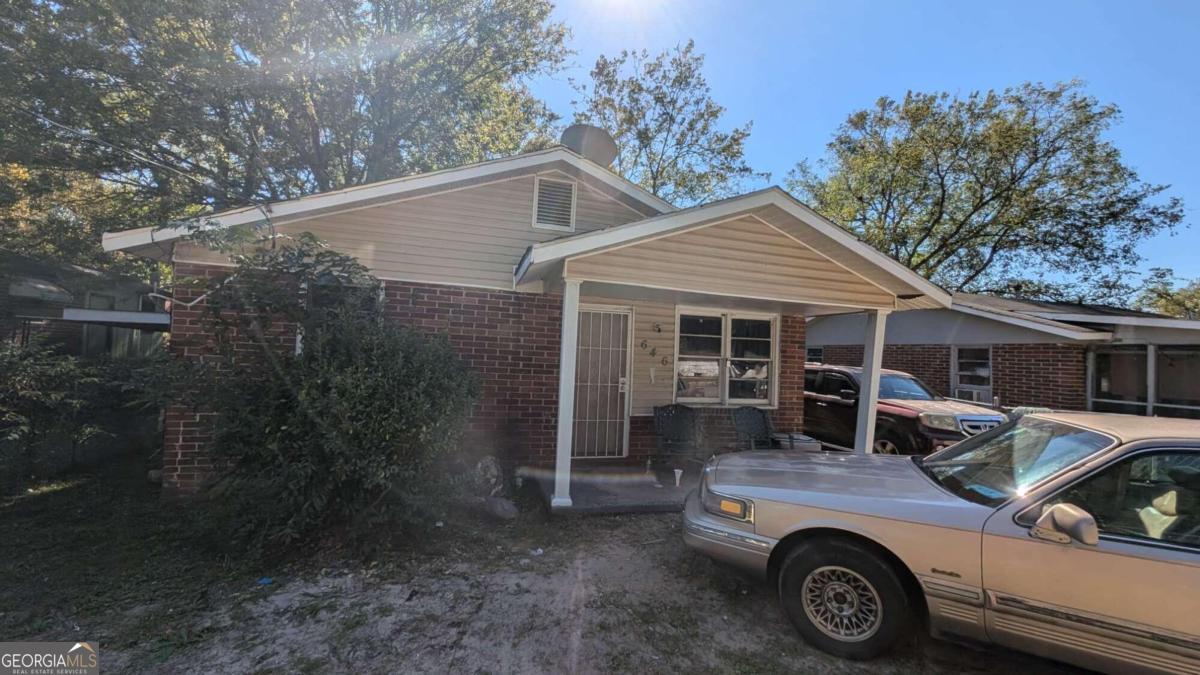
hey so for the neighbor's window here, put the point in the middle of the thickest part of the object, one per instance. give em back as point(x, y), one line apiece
point(1119, 379)
point(973, 373)
point(814, 355)
point(1178, 381)
point(725, 358)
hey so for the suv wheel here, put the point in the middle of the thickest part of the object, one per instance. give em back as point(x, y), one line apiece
point(888, 443)
point(844, 599)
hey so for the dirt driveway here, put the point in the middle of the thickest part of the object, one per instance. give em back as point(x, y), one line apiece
point(580, 595)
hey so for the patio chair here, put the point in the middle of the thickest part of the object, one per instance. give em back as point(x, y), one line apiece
point(679, 436)
point(754, 428)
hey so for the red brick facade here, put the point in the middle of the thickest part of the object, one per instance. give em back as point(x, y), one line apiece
point(1035, 374)
point(510, 339)
point(1050, 375)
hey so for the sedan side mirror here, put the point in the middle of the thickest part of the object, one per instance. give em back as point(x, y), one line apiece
point(848, 395)
point(1062, 523)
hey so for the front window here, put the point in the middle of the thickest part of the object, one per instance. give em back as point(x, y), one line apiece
point(725, 358)
point(904, 388)
point(1009, 460)
point(1119, 379)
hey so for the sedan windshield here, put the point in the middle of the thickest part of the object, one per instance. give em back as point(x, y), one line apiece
point(903, 387)
point(1005, 462)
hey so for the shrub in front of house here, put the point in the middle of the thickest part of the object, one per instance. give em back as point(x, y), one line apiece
point(337, 438)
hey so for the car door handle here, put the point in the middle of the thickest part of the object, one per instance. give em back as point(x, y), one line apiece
point(823, 404)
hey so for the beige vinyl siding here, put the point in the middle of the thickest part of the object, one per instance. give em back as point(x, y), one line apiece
point(652, 383)
point(473, 236)
point(832, 250)
point(740, 257)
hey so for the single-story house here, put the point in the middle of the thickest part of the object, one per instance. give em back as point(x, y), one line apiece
point(1066, 356)
point(79, 311)
point(581, 299)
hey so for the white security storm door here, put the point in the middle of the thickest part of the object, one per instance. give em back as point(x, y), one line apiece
point(602, 383)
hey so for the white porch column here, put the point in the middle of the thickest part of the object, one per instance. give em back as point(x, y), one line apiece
point(868, 394)
point(566, 394)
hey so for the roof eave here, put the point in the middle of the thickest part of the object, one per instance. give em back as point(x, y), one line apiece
point(325, 201)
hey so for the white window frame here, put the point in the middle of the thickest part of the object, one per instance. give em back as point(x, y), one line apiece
point(727, 317)
point(989, 390)
point(537, 186)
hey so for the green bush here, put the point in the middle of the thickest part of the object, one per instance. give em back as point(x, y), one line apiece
point(345, 434)
point(45, 399)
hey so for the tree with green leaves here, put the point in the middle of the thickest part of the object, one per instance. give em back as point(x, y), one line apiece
point(1165, 293)
point(219, 103)
point(667, 127)
point(1014, 192)
point(59, 216)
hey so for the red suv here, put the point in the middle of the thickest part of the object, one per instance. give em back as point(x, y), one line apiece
point(911, 420)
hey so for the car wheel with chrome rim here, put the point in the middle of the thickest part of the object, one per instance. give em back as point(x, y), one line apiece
point(844, 598)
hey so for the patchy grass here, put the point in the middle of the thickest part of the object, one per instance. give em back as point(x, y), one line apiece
point(99, 557)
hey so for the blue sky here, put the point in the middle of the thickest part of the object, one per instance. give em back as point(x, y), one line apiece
point(798, 68)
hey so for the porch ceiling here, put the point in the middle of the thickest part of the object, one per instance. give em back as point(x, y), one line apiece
point(763, 248)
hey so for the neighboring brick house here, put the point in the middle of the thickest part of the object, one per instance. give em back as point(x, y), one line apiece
point(1023, 353)
point(704, 306)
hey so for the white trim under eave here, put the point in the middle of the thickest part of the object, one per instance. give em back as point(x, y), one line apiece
point(1143, 321)
point(728, 208)
point(1015, 320)
point(115, 241)
point(107, 316)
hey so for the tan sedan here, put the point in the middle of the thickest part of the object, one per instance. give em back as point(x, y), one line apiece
point(1075, 536)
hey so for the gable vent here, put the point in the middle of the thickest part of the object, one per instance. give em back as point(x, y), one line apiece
point(555, 205)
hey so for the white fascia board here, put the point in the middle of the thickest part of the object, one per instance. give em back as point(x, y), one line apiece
point(1050, 328)
point(1144, 321)
point(115, 241)
point(116, 316)
point(601, 239)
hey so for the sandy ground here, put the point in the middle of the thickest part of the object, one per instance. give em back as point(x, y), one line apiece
point(604, 594)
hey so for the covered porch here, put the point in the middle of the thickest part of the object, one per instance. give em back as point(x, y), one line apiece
point(699, 310)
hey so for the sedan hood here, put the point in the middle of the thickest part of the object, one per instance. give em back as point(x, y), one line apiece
point(887, 486)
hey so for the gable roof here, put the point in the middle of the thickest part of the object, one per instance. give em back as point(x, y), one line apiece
point(912, 290)
point(383, 191)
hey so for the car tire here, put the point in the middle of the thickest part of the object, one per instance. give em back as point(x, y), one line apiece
point(889, 442)
point(856, 607)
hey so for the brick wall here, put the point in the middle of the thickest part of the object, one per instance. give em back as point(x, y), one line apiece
point(1050, 375)
point(510, 339)
point(186, 460)
point(930, 363)
point(790, 415)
